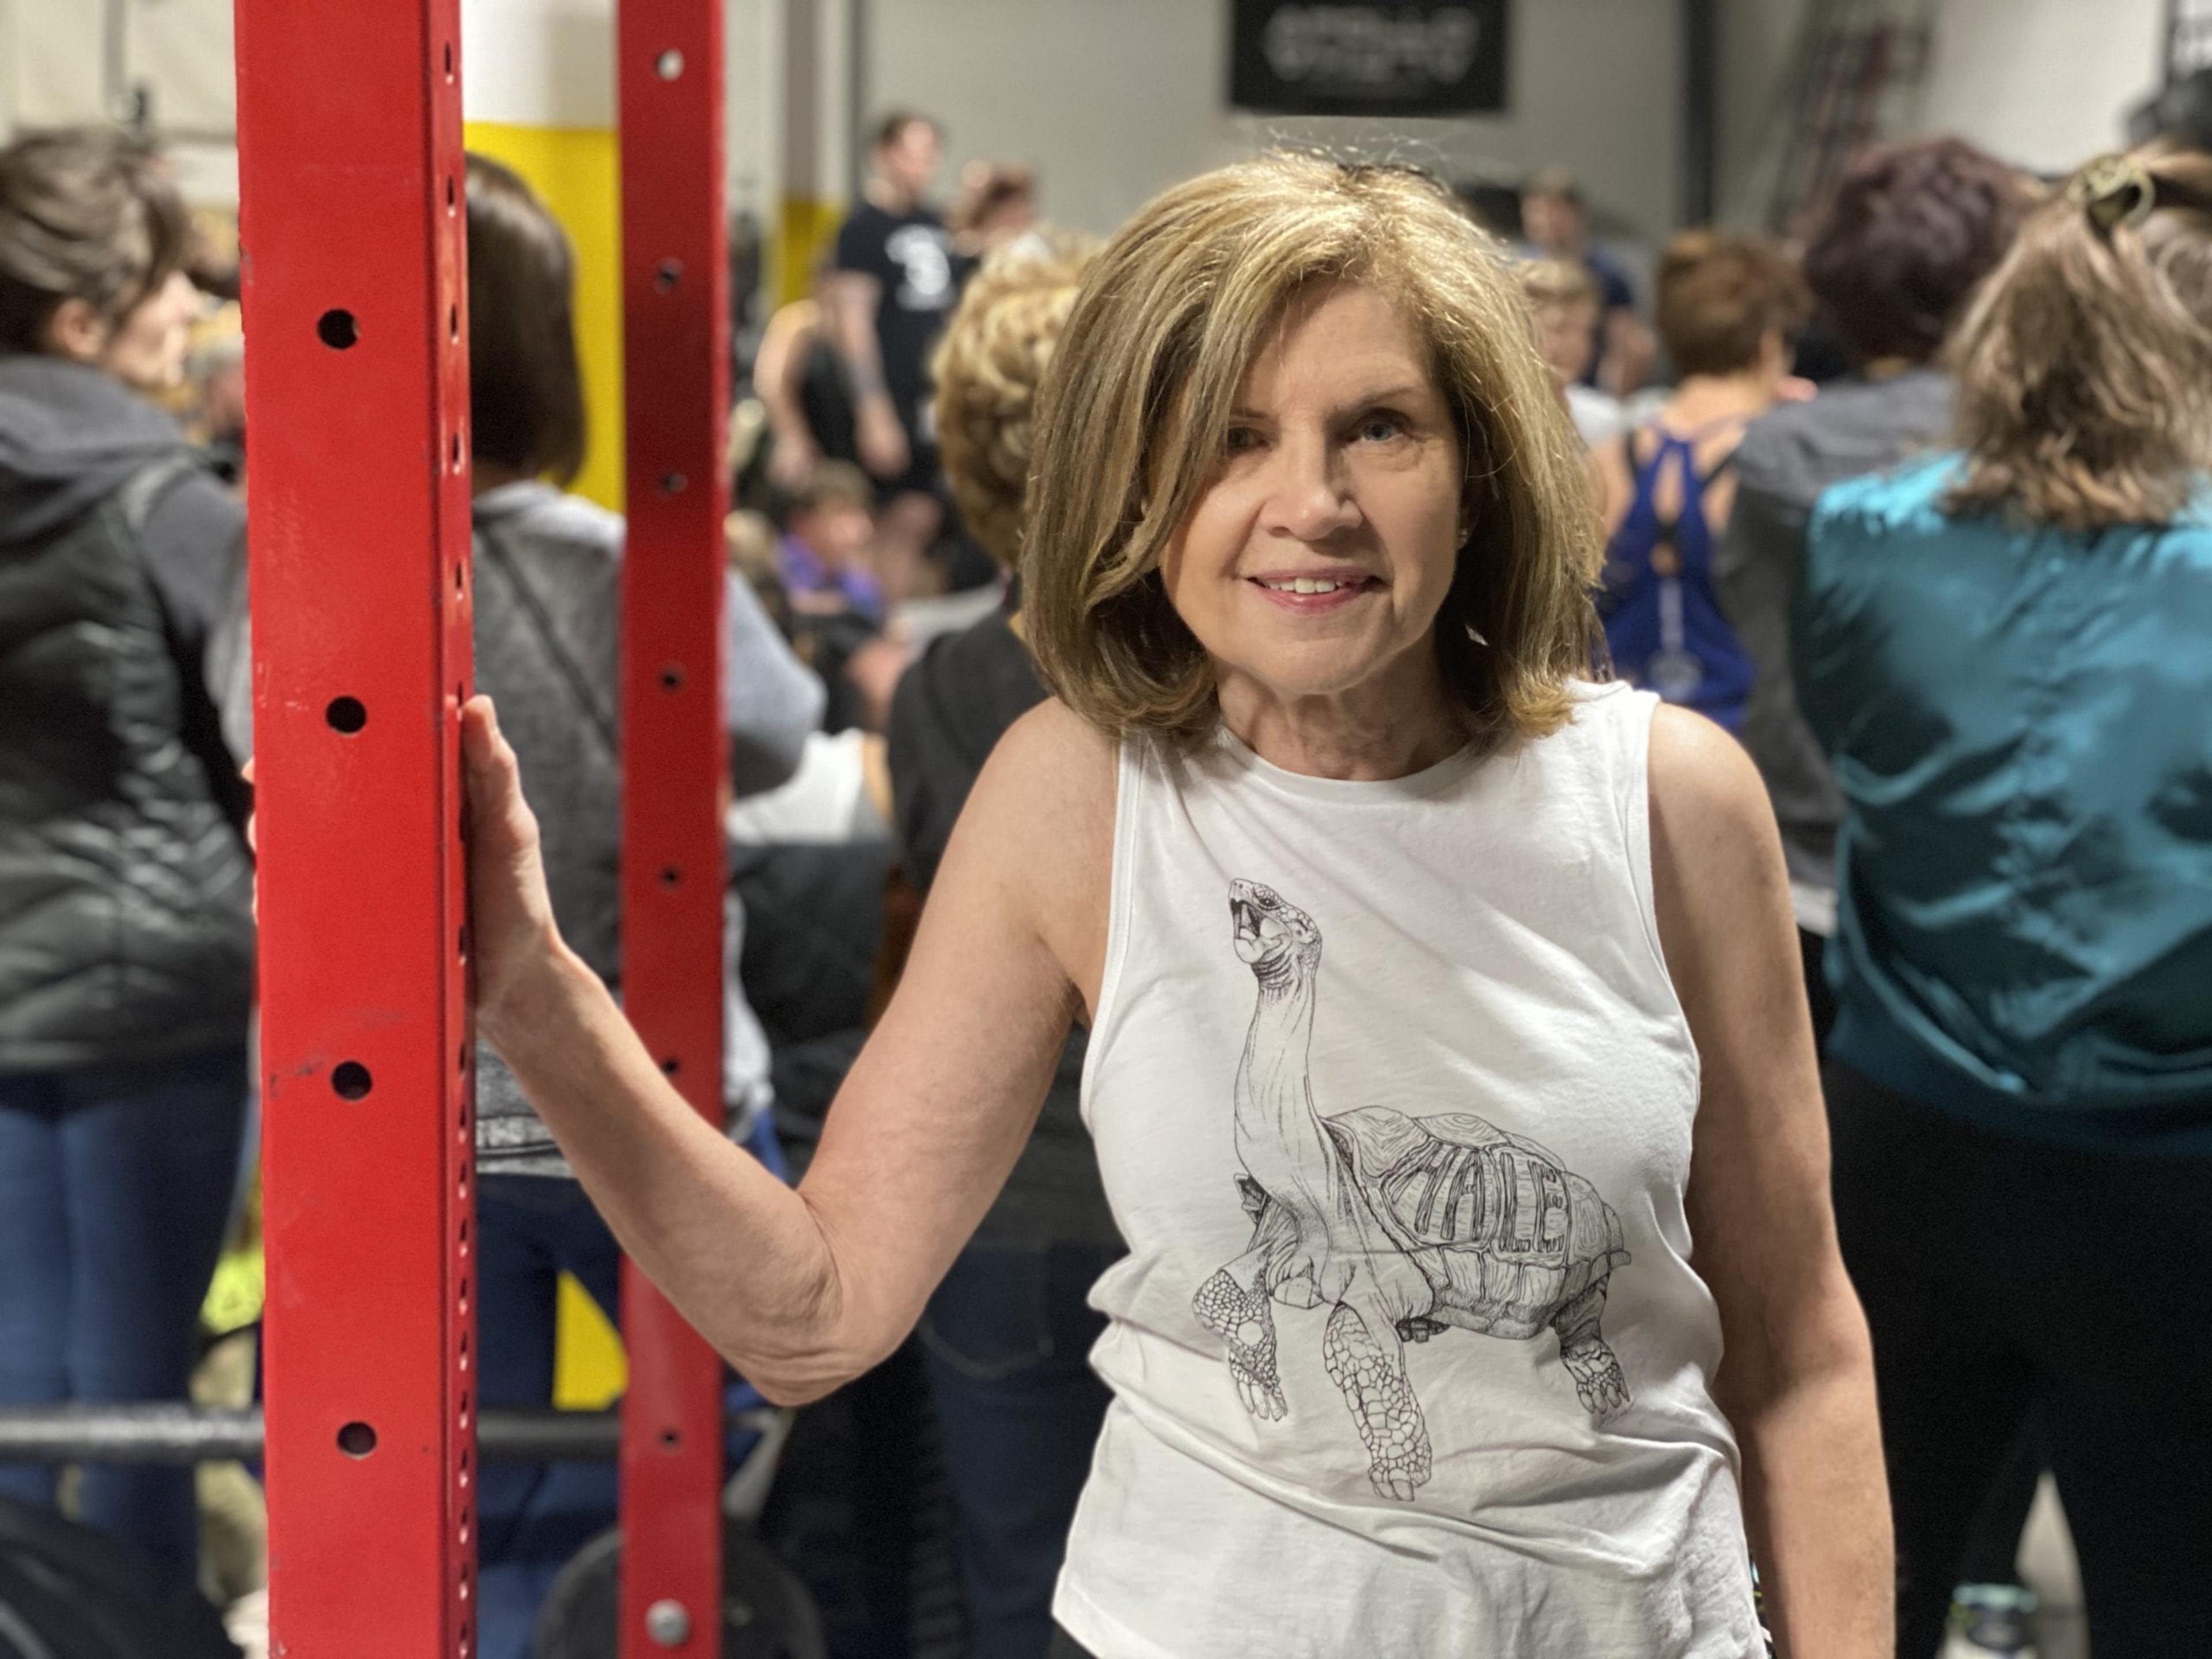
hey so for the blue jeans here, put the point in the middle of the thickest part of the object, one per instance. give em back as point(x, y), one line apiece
point(1007, 1335)
point(532, 1518)
point(115, 1187)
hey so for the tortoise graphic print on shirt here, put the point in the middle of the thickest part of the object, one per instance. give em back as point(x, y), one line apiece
point(1402, 1225)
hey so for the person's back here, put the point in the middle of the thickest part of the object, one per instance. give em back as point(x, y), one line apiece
point(2018, 721)
point(1725, 304)
point(547, 621)
point(1662, 624)
point(1908, 233)
point(124, 933)
point(2002, 649)
point(1787, 459)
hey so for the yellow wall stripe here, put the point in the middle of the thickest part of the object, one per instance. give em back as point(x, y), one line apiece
point(577, 172)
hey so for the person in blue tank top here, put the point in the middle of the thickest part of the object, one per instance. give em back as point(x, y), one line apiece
point(1727, 307)
point(2006, 650)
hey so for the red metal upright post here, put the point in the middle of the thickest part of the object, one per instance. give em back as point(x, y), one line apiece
point(349, 137)
point(676, 346)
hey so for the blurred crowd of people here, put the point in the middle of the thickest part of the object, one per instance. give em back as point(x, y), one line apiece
point(1953, 600)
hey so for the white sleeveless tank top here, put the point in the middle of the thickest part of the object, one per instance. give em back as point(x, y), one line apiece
point(1392, 1098)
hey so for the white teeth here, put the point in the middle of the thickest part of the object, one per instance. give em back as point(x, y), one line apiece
point(1305, 585)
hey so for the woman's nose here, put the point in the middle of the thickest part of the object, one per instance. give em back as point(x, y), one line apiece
point(1310, 496)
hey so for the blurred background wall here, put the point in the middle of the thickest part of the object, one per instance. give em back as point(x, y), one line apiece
point(1111, 99)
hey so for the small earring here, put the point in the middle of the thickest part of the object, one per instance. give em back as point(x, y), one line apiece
point(1475, 634)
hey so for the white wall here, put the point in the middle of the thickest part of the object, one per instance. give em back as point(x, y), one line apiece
point(551, 64)
point(2047, 83)
point(1112, 100)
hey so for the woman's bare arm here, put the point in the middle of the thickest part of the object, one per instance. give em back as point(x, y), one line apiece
point(803, 1289)
point(1797, 1382)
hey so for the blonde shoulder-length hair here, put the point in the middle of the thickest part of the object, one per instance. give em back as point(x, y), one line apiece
point(2085, 363)
point(1135, 406)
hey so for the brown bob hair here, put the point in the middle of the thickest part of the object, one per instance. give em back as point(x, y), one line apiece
point(526, 391)
point(988, 368)
point(1908, 230)
point(2085, 363)
point(1136, 405)
point(84, 214)
point(1720, 293)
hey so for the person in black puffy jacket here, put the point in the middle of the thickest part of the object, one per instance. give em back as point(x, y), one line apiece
point(126, 936)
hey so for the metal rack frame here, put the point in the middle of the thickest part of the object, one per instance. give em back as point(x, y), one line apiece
point(351, 164)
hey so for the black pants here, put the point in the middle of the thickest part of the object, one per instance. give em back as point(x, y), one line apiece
point(1065, 1646)
point(2001, 1276)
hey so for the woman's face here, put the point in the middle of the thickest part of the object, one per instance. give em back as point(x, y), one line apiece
point(146, 349)
point(1316, 559)
point(1566, 335)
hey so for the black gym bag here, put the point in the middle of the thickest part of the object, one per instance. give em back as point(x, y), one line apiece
point(67, 1592)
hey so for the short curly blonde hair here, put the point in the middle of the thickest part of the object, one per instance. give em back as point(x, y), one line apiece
point(1134, 410)
point(987, 368)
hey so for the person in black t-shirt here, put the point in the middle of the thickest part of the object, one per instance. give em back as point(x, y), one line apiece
point(891, 284)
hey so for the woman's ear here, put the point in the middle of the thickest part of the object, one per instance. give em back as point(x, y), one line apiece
point(77, 332)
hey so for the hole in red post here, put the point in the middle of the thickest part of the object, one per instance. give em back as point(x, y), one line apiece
point(672, 675)
point(671, 876)
point(671, 1439)
point(346, 714)
point(673, 483)
point(453, 452)
point(667, 274)
point(356, 1440)
point(452, 194)
point(454, 323)
point(351, 1079)
point(337, 330)
point(449, 62)
point(671, 1067)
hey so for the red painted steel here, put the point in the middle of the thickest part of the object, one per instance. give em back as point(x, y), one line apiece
point(349, 137)
point(675, 348)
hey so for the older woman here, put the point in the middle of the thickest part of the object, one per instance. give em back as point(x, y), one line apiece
point(1407, 1354)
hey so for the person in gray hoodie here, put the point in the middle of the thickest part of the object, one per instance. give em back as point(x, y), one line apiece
point(126, 935)
point(1909, 233)
point(547, 569)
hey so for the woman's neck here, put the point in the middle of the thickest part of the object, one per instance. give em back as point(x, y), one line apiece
point(1704, 398)
point(1402, 722)
point(486, 476)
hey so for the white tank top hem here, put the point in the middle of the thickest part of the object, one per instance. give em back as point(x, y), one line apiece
point(1394, 1098)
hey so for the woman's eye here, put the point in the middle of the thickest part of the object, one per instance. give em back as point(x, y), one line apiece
point(1380, 428)
point(1238, 439)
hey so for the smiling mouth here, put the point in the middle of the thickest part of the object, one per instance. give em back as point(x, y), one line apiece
point(1314, 585)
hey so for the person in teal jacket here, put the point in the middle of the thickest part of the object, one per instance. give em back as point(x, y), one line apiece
point(2007, 652)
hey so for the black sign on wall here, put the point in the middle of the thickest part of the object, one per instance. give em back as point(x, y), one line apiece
point(1368, 58)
